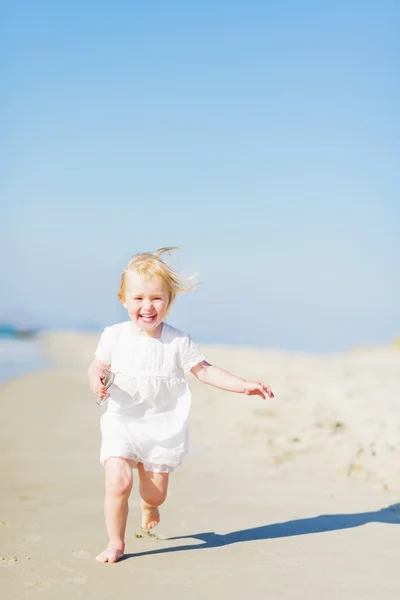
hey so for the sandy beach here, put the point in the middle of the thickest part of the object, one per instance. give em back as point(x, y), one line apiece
point(293, 497)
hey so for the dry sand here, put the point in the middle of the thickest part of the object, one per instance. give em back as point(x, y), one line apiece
point(280, 499)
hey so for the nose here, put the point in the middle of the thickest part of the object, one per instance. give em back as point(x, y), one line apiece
point(147, 304)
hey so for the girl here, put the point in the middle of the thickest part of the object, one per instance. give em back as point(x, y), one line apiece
point(146, 423)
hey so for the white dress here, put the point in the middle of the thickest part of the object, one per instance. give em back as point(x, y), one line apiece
point(148, 408)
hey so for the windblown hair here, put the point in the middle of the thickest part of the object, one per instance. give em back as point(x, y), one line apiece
point(151, 265)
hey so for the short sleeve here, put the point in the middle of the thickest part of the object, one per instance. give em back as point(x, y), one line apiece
point(104, 347)
point(191, 354)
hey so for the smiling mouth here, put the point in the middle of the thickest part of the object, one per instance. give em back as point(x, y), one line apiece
point(148, 318)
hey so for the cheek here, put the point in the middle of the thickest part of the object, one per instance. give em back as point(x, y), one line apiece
point(131, 308)
point(162, 307)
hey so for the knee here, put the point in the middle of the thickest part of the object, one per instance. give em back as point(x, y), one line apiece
point(119, 486)
point(154, 497)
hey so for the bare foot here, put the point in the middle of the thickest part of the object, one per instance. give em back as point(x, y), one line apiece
point(150, 516)
point(111, 554)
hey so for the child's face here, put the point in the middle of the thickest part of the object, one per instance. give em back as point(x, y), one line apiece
point(146, 300)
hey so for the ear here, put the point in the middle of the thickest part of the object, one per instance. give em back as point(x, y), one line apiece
point(124, 303)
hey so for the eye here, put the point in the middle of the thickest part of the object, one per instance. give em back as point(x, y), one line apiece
point(137, 298)
point(157, 298)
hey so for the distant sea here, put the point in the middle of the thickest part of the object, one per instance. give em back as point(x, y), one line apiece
point(19, 356)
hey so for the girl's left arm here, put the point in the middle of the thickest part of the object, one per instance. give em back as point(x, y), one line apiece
point(223, 380)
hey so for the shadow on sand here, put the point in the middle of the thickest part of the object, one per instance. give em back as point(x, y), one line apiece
point(319, 524)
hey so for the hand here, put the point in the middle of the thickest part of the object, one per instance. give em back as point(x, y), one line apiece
point(258, 388)
point(96, 382)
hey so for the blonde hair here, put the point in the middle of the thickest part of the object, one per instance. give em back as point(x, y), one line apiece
point(151, 265)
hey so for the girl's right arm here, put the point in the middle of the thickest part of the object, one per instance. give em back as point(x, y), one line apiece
point(96, 373)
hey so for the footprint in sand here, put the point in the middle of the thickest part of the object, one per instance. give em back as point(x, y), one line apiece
point(5, 524)
point(148, 535)
point(81, 553)
point(6, 561)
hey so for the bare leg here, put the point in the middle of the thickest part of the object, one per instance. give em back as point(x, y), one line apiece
point(118, 488)
point(153, 491)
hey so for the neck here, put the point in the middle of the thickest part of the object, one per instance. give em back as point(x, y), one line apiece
point(153, 333)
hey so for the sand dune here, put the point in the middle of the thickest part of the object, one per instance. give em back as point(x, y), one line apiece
point(272, 496)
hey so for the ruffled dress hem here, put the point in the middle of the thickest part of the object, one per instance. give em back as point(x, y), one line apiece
point(148, 466)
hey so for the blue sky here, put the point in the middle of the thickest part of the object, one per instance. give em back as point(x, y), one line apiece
point(262, 137)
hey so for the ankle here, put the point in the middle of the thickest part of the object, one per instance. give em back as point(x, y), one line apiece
point(117, 544)
point(148, 506)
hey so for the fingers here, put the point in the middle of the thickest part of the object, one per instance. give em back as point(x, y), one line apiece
point(270, 392)
point(98, 387)
point(256, 389)
point(267, 389)
point(263, 390)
